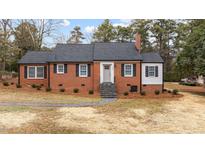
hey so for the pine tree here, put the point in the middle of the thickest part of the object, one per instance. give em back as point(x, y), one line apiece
point(105, 32)
point(76, 35)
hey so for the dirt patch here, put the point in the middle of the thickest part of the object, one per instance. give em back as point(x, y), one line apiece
point(15, 119)
point(90, 120)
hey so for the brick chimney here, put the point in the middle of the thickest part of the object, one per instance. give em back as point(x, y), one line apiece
point(138, 42)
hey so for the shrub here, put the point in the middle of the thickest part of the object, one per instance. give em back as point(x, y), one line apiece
point(175, 91)
point(91, 92)
point(188, 83)
point(143, 93)
point(126, 93)
point(60, 85)
point(48, 89)
point(38, 88)
point(18, 85)
point(12, 83)
point(33, 86)
point(164, 90)
point(75, 90)
point(157, 92)
point(62, 90)
point(169, 91)
point(5, 83)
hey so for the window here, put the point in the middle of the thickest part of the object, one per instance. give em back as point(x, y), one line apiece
point(128, 70)
point(151, 71)
point(35, 72)
point(60, 68)
point(31, 72)
point(83, 70)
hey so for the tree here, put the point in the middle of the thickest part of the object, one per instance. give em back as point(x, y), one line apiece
point(124, 34)
point(163, 32)
point(143, 27)
point(105, 32)
point(76, 35)
point(25, 36)
point(7, 48)
point(192, 57)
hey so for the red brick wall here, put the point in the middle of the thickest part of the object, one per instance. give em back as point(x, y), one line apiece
point(96, 76)
point(69, 79)
point(152, 88)
point(121, 82)
point(27, 81)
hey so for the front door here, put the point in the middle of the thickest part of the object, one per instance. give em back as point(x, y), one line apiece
point(106, 73)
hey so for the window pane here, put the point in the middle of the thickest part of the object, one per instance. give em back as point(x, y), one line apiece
point(31, 72)
point(151, 71)
point(83, 70)
point(61, 68)
point(128, 70)
point(40, 72)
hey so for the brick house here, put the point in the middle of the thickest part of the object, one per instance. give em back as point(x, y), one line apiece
point(108, 69)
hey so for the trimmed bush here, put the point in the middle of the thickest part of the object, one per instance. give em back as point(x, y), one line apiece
point(91, 92)
point(175, 91)
point(143, 93)
point(75, 90)
point(126, 93)
point(169, 91)
point(48, 89)
point(157, 92)
point(188, 83)
point(5, 83)
point(62, 90)
point(18, 86)
point(38, 88)
point(33, 86)
point(12, 83)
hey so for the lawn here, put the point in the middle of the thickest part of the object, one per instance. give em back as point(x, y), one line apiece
point(174, 115)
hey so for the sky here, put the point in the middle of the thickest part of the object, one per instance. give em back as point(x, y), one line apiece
point(87, 27)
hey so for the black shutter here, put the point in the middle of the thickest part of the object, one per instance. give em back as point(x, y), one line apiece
point(122, 69)
point(77, 69)
point(25, 72)
point(89, 70)
point(65, 68)
point(156, 71)
point(146, 71)
point(55, 68)
point(134, 69)
point(45, 72)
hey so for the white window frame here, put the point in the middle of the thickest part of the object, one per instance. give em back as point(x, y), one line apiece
point(35, 72)
point(128, 75)
point(86, 75)
point(58, 69)
point(153, 71)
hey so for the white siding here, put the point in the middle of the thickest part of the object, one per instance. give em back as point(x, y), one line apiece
point(152, 80)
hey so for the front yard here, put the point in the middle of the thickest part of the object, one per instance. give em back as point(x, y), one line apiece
point(167, 115)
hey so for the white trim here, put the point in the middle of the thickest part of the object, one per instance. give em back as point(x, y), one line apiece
point(35, 68)
point(58, 70)
point(131, 75)
point(112, 70)
point(80, 70)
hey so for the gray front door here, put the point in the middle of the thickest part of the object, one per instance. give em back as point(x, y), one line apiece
point(106, 73)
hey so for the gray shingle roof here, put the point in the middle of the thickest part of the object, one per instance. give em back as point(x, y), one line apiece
point(32, 57)
point(73, 52)
point(116, 51)
point(151, 57)
point(89, 53)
